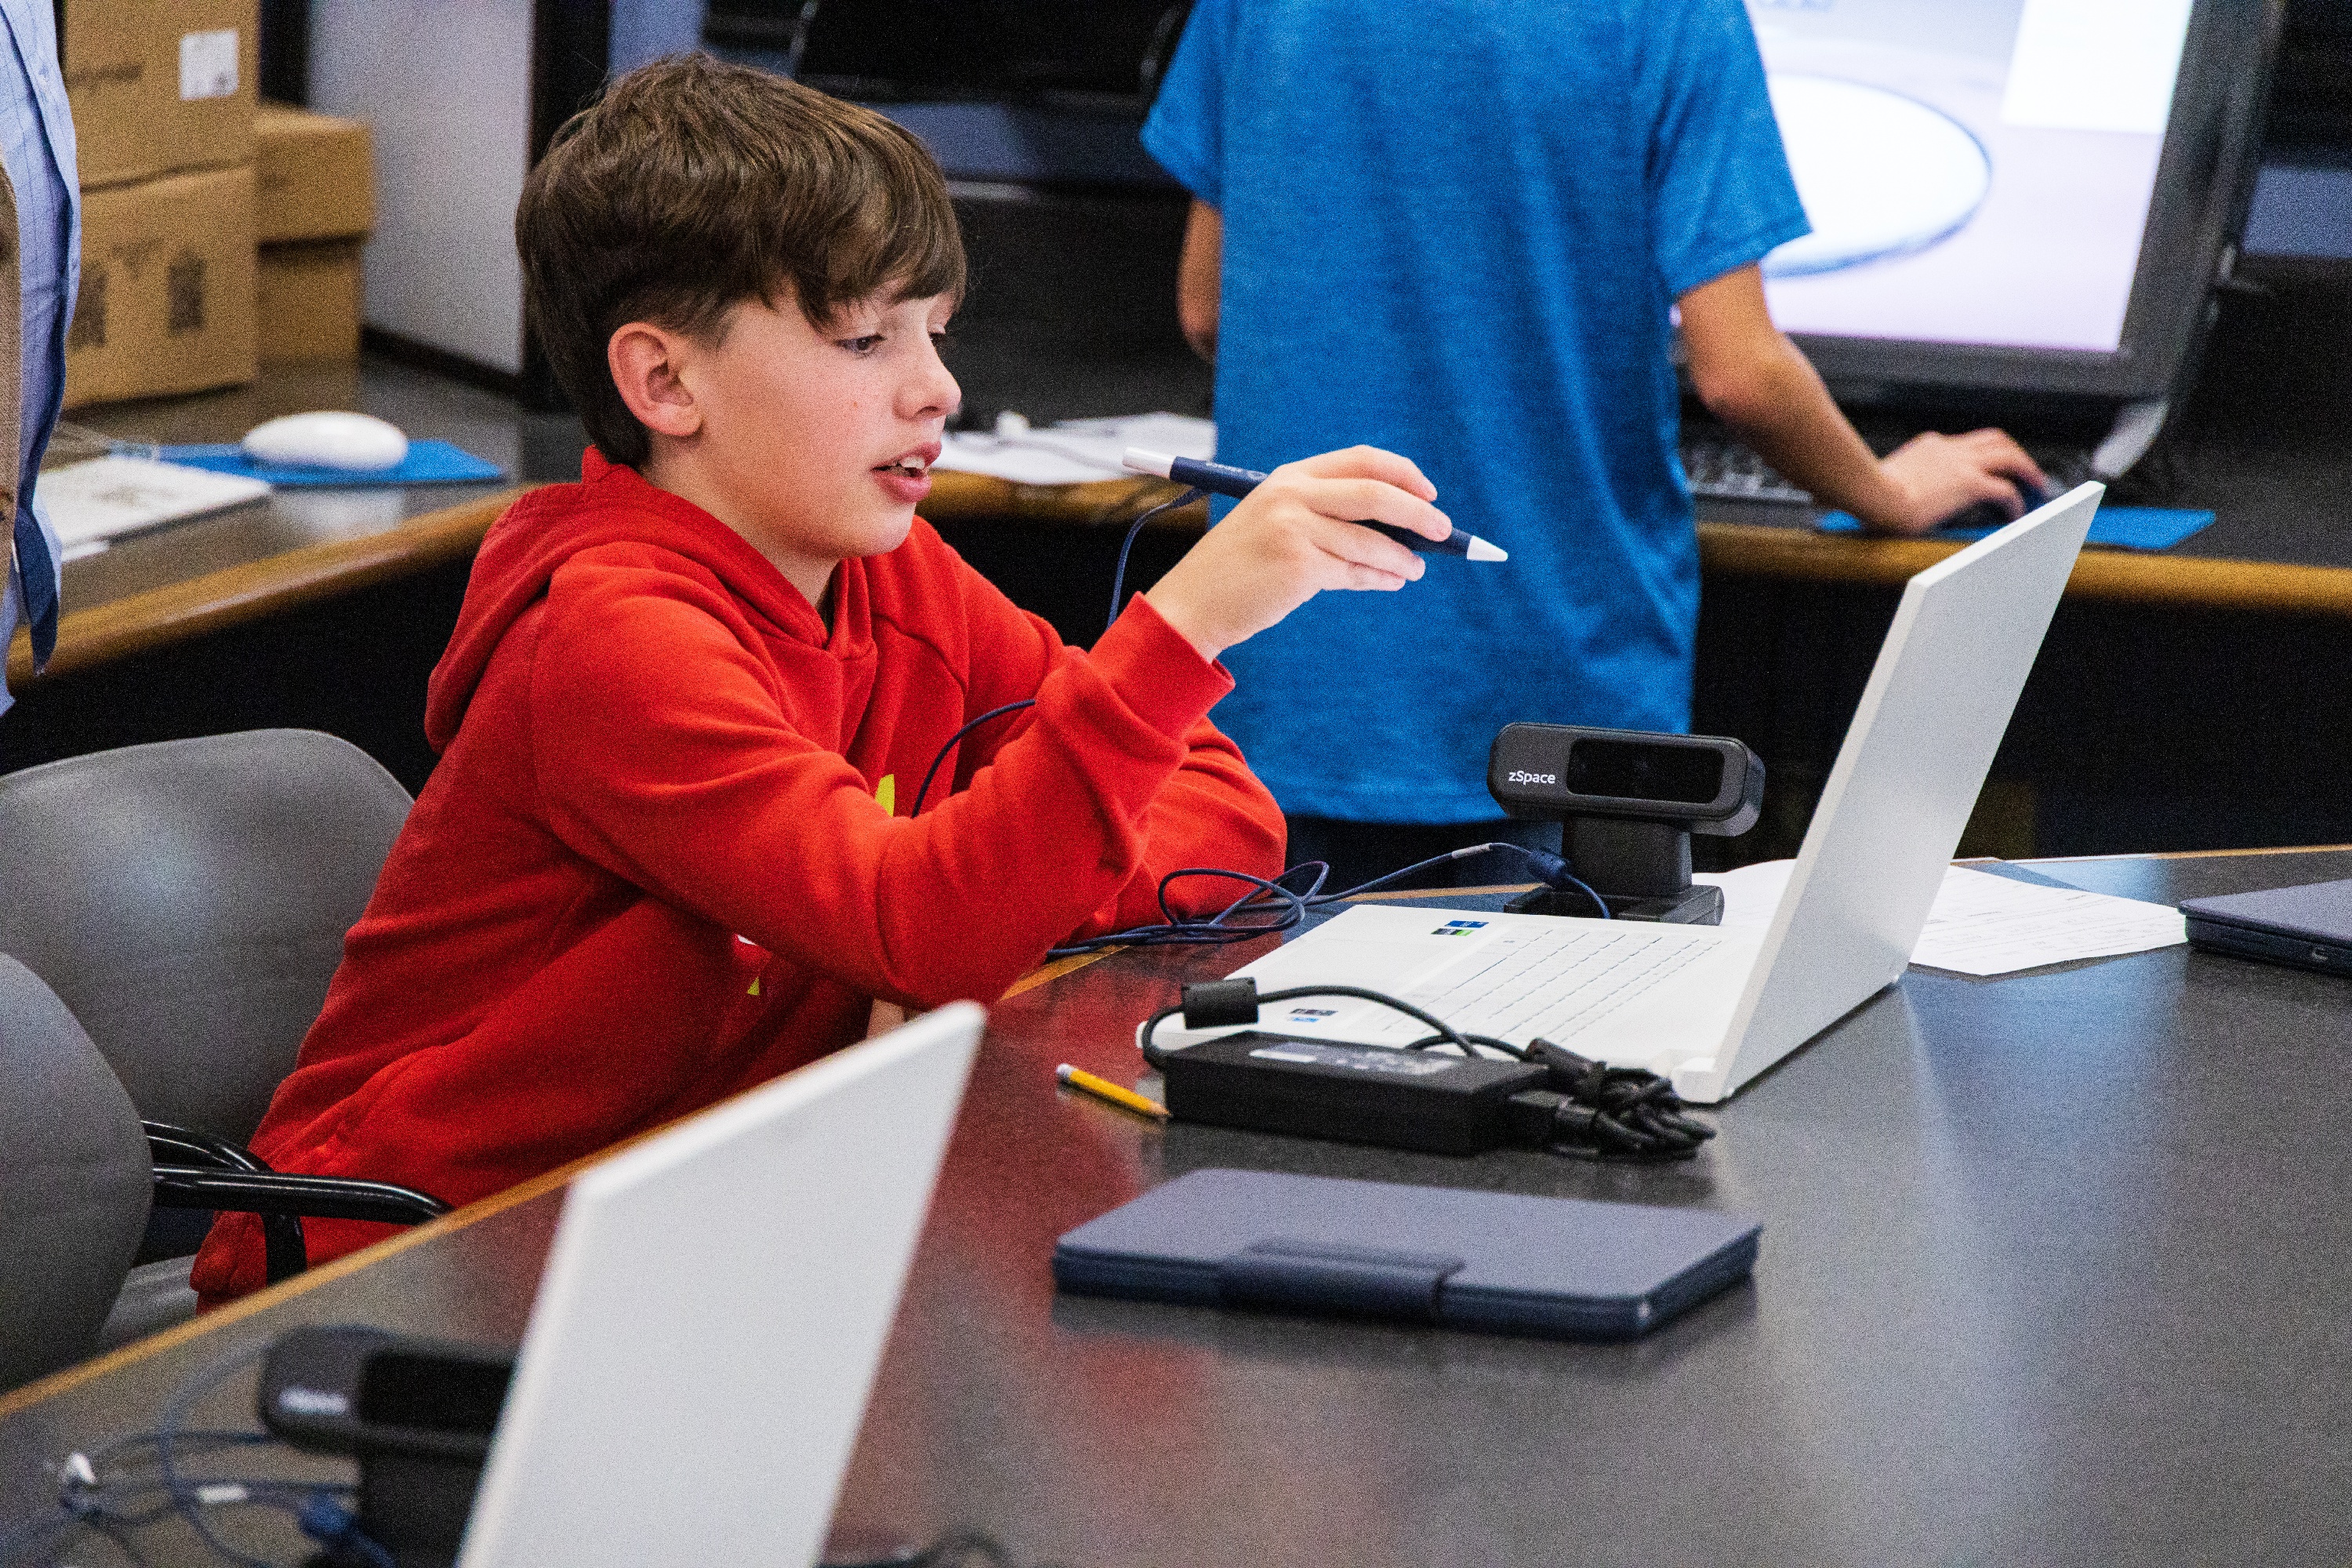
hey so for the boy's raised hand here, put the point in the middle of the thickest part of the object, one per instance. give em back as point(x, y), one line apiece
point(1293, 536)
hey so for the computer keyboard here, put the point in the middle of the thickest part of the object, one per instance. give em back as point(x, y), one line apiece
point(1528, 982)
point(1721, 468)
point(1726, 471)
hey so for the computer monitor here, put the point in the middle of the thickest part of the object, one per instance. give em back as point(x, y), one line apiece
point(895, 50)
point(2011, 195)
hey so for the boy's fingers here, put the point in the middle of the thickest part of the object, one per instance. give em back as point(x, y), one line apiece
point(1371, 580)
point(1374, 501)
point(1370, 463)
point(1361, 548)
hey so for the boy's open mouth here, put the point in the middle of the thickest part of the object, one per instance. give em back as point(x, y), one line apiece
point(913, 468)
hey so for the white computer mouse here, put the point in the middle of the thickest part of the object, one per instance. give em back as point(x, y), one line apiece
point(359, 443)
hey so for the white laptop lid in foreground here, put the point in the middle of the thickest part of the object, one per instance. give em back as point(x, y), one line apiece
point(1965, 637)
point(712, 1316)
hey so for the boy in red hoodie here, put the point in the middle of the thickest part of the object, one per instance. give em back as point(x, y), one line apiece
point(670, 850)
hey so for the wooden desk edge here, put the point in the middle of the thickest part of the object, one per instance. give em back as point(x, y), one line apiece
point(1750, 550)
point(235, 595)
point(143, 621)
point(2125, 576)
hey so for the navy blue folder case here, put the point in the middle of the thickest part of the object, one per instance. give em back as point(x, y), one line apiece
point(1499, 1262)
point(2309, 927)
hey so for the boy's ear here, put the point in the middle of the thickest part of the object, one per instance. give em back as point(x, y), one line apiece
point(645, 361)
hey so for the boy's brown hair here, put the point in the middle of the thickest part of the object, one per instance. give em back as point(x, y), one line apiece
point(692, 185)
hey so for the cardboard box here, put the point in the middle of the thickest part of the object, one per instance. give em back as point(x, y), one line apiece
point(167, 288)
point(159, 85)
point(311, 302)
point(314, 177)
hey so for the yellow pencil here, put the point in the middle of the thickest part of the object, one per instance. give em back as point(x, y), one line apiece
point(1103, 1089)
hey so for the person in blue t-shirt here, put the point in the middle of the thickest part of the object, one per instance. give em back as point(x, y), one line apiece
point(1459, 229)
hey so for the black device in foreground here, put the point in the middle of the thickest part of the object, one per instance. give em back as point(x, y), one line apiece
point(1627, 802)
point(416, 1413)
point(1541, 1096)
point(2307, 927)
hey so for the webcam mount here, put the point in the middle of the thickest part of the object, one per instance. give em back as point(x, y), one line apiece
point(1627, 802)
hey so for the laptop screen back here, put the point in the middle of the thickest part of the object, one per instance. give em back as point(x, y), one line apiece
point(712, 1316)
point(1965, 637)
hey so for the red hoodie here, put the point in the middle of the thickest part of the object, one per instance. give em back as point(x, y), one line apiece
point(651, 868)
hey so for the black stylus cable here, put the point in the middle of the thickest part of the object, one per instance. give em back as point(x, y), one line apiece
point(1285, 908)
point(1271, 896)
point(1119, 573)
point(1118, 583)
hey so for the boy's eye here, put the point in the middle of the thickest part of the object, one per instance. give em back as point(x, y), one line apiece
point(865, 345)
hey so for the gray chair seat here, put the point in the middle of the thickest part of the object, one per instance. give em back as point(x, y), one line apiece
point(74, 1181)
point(155, 1297)
point(187, 901)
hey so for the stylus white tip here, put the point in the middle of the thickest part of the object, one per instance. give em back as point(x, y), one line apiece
point(1144, 462)
point(1482, 550)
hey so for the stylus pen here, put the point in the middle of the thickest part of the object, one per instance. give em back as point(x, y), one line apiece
point(1103, 1089)
point(1219, 479)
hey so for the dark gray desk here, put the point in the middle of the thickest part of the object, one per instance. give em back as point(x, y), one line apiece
point(2054, 1271)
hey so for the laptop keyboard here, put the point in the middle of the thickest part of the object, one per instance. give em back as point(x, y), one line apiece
point(1530, 982)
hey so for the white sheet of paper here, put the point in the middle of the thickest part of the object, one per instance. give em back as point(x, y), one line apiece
point(107, 497)
point(1991, 925)
point(1077, 451)
point(1984, 924)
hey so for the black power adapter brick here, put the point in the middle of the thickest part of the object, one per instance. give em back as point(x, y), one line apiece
point(1539, 1096)
point(1361, 1094)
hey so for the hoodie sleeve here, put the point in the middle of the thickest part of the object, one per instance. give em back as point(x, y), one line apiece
point(663, 753)
point(1212, 811)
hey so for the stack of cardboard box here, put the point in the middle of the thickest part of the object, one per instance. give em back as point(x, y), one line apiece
point(317, 202)
point(163, 97)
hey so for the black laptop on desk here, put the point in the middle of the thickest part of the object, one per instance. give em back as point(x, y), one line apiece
point(2309, 927)
point(1976, 258)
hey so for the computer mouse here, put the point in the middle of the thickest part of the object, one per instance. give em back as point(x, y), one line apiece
point(1992, 514)
point(330, 439)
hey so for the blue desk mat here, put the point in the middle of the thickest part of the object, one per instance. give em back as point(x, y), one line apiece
point(428, 463)
point(2117, 527)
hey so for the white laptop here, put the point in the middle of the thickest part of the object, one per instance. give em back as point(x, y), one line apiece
point(1709, 1007)
point(712, 1316)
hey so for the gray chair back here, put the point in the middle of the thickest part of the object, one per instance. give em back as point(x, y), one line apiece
point(188, 901)
point(74, 1183)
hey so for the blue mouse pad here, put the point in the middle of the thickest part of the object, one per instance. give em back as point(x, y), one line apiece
point(2117, 527)
point(428, 463)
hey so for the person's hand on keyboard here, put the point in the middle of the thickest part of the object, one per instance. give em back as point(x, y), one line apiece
point(1938, 478)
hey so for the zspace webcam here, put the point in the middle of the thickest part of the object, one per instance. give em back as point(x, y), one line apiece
point(1628, 800)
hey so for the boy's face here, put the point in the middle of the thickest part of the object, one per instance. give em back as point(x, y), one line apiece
point(817, 443)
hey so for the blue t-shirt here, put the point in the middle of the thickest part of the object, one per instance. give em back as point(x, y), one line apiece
point(1454, 228)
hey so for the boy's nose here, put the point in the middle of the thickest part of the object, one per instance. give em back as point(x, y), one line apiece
point(934, 390)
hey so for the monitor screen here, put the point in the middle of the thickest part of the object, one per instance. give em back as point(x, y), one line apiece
point(2004, 192)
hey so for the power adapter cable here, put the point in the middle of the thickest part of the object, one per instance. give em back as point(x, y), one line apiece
point(1542, 1095)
